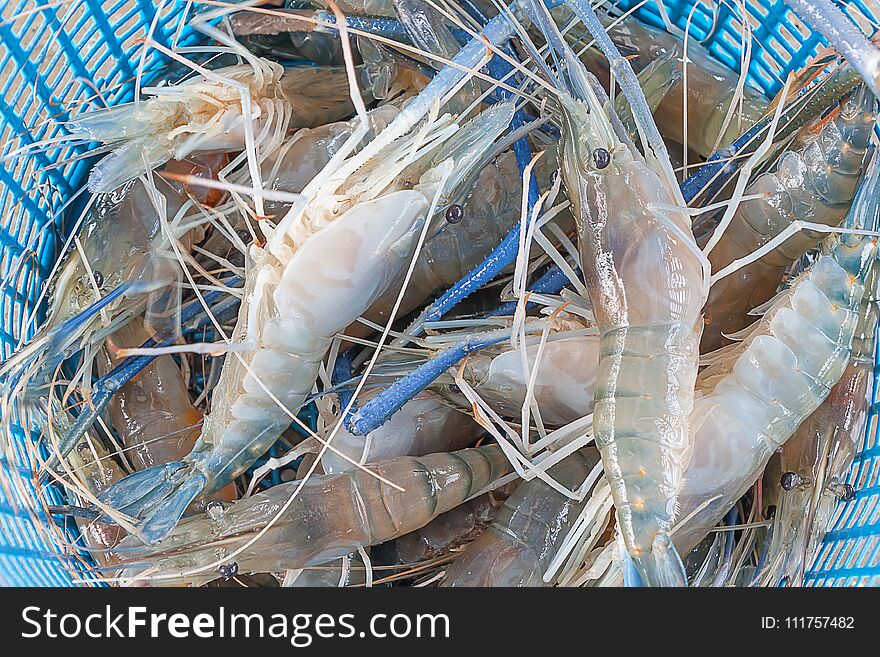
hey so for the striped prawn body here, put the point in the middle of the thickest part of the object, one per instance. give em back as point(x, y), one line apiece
point(761, 390)
point(816, 182)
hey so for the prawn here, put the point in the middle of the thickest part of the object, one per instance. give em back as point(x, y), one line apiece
point(816, 458)
point(250, 105)
point(647, 284)
point(759, 391)
point(816, 182)
point(298, 297)
point(332, 516)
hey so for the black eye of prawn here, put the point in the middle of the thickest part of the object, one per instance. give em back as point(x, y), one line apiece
point(454, 214)
point(601, 158)
point(229, 570)
point(790, 480)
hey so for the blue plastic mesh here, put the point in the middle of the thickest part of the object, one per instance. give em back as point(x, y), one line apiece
point(58, 59)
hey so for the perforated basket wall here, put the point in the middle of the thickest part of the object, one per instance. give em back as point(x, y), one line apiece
point(59, 59)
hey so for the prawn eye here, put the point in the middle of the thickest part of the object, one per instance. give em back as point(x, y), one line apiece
point(229, 570)
point(601, 158)
point(454, 213)
point(790, 480)
point(847, 493)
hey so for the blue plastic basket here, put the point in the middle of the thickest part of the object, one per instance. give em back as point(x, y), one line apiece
point(58, 59)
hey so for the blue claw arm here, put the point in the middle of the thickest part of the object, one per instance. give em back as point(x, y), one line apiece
point(550, 282)
point(380, 408)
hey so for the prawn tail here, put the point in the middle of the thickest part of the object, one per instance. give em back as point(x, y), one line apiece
point(156, 498)
point(663, 565)
point(631, 577)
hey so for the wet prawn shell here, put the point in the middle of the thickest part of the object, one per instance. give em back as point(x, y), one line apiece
point(117, 237)
point(330, 517)
point(525, 535)
point(775, 379)
point(437, 483)
point(815, 182)
point(425, 425)
point(564, 383)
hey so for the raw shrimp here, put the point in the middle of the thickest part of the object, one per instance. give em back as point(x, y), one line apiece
point(222, 110)
point(332, 516)
point(816, 458)
point(119, 267)
point(658, 57)
point(518, 546)
point(425, 425)
point(299, 296)
point(815, 182)
point(646, 282)
point(759, 391)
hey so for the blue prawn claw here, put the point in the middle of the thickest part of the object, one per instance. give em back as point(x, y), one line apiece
point(156, 497)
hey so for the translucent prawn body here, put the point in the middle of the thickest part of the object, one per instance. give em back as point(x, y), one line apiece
point(329, 517)
point(814, 182)
point(759, 391)
point(223, 110)
point(818, 455)
point(646, 284)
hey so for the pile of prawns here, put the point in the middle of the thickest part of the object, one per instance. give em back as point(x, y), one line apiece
point(429, 293)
